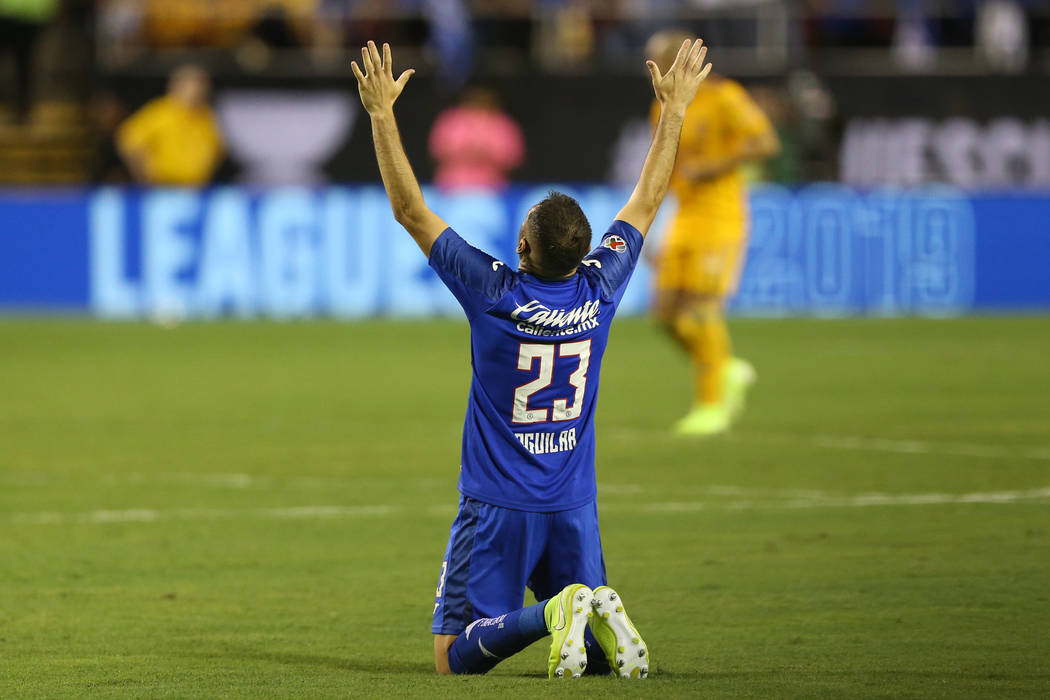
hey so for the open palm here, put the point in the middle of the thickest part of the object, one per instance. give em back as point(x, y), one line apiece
point(376, 84)
point(677, 87)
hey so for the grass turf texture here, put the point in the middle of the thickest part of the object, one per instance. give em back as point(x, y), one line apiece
point(160, 536)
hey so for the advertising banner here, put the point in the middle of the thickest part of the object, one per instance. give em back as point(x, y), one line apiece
point(337, 251)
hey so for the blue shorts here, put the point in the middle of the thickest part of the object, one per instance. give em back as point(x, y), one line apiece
point(494, 553)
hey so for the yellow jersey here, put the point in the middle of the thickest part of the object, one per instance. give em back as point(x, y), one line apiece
point(181, 145)
point(719, 121)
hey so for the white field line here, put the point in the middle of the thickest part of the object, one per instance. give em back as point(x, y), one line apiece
point(218, 480)
point(958, 449)
point(909, 447)
point(240, 481)
point(862, 500)
point(229, 480)
point(145, 515)
point(855, 442)
point(790, 500)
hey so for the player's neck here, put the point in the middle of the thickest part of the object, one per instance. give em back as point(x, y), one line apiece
point(523, 266)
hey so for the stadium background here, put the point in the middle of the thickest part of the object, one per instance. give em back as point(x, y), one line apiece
point(209, 508)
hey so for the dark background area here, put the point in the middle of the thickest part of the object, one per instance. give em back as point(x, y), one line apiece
point(571, 123)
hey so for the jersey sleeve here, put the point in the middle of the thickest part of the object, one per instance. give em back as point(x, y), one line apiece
point(476, 279)
point(615, 258)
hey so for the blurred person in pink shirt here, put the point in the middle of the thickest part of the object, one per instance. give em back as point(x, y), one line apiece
point(475, 143)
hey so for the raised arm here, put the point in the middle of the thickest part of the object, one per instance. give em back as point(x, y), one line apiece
point(675, 90)
point(379, 90)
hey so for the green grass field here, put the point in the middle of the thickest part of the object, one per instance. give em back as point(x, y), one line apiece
point(256, 509)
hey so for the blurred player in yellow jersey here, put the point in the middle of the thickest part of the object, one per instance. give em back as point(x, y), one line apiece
point(703, 249)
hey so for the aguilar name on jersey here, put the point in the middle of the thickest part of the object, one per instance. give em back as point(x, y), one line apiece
point(536, 353)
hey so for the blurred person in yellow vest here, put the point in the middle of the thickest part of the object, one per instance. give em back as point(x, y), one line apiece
point(174, 139)
point(703, 249)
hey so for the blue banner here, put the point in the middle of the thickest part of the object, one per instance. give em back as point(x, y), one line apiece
point(823, 250)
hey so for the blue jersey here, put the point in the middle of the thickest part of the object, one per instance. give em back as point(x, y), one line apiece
point(536, 354)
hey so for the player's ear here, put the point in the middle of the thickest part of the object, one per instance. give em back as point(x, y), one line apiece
point(523, 246)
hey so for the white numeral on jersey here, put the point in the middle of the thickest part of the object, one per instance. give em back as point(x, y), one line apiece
point(582, 349)
point(561, 410)
point(526, 354)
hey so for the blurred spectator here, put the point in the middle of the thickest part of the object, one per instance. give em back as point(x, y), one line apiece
point(120, 22)
point(913, 43)
point(566, 35)
point(475, 143)
point(181, 23)
point(451, 37)
point(815, 114)
point(277, 23)
point(175, 139)
point(1002, 35)
point(21, 22)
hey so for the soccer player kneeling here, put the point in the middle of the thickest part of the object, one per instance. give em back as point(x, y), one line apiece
point(527, 513)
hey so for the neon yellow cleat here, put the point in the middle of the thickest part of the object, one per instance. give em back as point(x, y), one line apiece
point(623, 646)
point(566, 615)
point(737, 377)
point(708, 419)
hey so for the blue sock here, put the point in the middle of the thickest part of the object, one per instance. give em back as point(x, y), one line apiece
point(489, 640)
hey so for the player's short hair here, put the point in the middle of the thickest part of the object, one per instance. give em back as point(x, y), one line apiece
point(561, 232)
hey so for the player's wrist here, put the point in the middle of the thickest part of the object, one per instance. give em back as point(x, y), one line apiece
point(673, 111)
point(382, 113)
point(673, 104)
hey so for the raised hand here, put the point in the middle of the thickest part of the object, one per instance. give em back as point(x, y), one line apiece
point(376, 84)
point(676, 88)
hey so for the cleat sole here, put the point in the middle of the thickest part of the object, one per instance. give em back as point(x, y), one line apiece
point(624, 648)
point(568, 657)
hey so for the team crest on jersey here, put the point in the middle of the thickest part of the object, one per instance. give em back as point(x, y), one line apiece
point(616, 243)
